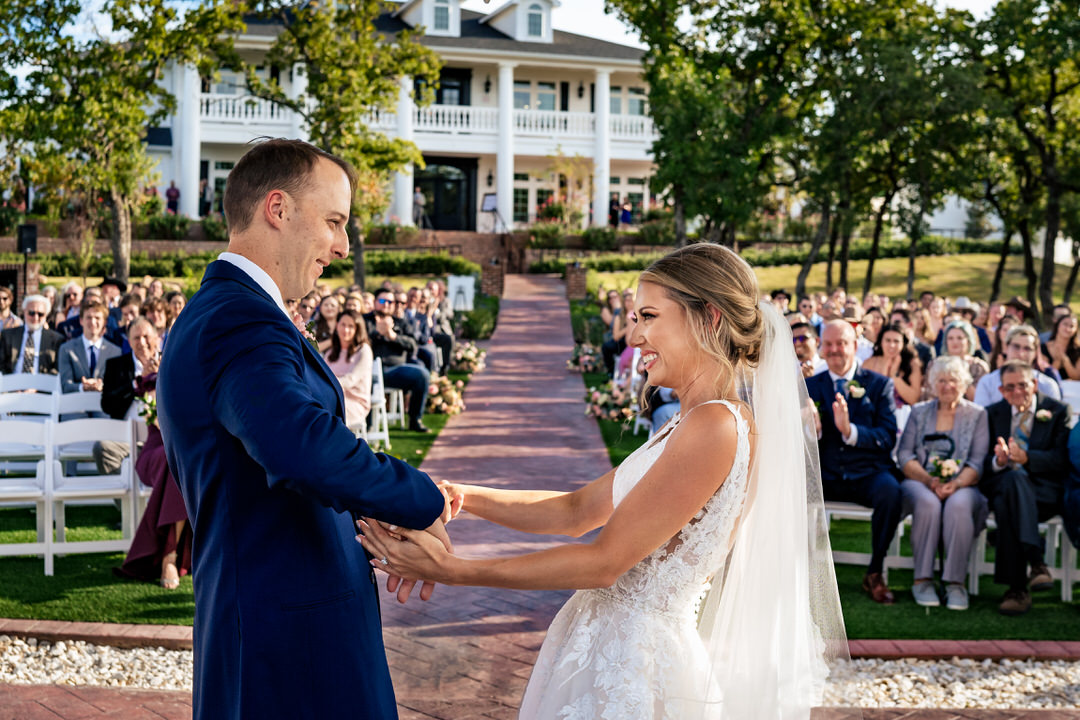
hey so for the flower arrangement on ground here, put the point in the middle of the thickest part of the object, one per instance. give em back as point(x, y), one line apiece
point(611, 402)
point(585, 359)
point(445, 396)
point(468, 358)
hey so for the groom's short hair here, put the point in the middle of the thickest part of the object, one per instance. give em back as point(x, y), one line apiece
point(273, 164)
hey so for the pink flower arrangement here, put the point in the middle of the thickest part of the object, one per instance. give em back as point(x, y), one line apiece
point(468, 358)
point(585, 359)
point(611, 402)
point(444, 396)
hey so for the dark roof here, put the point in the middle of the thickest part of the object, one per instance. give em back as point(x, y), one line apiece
point(475, 36)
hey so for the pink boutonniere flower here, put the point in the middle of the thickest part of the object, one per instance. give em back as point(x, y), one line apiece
point(1043, 415)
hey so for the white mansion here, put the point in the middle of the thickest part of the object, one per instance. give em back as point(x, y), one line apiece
point(512, 93)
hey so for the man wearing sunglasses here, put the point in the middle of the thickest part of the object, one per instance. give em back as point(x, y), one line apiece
point(32, 348)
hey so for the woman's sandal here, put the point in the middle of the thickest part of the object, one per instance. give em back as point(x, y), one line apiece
point(169, 580)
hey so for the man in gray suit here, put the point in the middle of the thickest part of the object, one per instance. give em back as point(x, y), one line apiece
point(82, 359)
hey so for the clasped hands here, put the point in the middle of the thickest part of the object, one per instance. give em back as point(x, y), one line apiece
point(409, 556)
point(1006, 451)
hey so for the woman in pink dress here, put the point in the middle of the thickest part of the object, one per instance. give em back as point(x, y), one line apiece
point(350, 358)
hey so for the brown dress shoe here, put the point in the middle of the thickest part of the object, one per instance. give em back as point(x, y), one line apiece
point(1040, 579)
point(1015, 602)
point(874, 584)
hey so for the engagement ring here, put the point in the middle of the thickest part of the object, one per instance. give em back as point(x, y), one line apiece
point(384, 561)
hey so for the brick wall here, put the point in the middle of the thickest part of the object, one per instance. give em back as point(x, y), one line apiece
point(15, 270)
point(492, 279)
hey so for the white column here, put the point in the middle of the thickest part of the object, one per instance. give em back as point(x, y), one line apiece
point(187, 141)
point(602, 151)
point(298, 87)
point(403, 179)
point(645, 200)
point(504, 158)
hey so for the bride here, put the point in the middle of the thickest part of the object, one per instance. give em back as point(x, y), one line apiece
point(709, 591)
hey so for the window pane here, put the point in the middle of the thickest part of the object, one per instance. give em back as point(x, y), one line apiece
point(636, 181)
point(545, 96)
point(442, 18)
point(543, 196)
point(522, 95)
point(615, 179)
point(521, 205)
point(451, 96)
point(524, 177)
point(616, 101)
point(536, 24)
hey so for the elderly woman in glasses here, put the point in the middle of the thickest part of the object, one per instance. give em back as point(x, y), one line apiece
point(941, 455)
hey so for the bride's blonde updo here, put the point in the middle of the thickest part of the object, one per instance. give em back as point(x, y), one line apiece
point(704, 275)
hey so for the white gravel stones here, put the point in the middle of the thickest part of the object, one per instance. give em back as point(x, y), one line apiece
point(860, 683)
point(30, 662)
point(956, 684)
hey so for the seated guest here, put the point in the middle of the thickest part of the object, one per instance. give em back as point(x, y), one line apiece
point(805, 338)
point(1001, 331)
point(8, 319)
point(612, 346)
point(1063, 347)
point(1024, 480)
point(659, 405)
point(895, 359)
point(118, 388)
point(438, 319)
point(1022, 345)
point(156, 310)
point(1071, 511)
point(925, 351)
point(82, 359)
point(161, 548)
point(329, 309)
point(176, 301)
point(857, 426)
point(391, 341)
point(944, 507)
point(32, 348)
point(350, 358)
point(960, 342)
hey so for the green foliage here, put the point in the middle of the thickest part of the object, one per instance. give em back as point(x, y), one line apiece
point(546, 235)
point(586, 324)
point(403, 263)
point(600, 237)
point(214, 228)
point(551, 211)
point(9, 218)
point(168, 226)
point(391, 233)
point(479, 323)
point(657, 231)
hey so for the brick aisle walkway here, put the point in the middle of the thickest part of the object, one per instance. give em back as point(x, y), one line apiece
point(468, 653)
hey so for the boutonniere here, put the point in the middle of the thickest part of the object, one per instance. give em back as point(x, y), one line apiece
point(1043, 415)
point(855, 390)
point(309, 334)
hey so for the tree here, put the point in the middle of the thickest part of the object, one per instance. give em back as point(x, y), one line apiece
point(88, 97)
point(353, 71)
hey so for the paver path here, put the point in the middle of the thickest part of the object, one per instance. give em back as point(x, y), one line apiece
point(468, 652)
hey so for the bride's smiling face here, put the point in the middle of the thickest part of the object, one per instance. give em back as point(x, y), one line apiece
point(669, 351)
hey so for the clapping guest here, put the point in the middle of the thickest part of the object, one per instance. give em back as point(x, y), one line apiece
point(8, 319)
point(1063, 347)
point(941, 454)
point(1025, 482)
point(998, 344)
point(895, 358)
point(156, 310)
point(82, 359)
point(329, 309)
point(350, 358)
point(805, 339)
point(961, 342)
point(392, 343)
point(1021, 344)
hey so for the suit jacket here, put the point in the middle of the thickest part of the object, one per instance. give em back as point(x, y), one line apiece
point(75, 364)
point(393, 352)
point(286, 606)
point(118, 386)
point(873, 415)
point(1048, 455)
point(11, 342)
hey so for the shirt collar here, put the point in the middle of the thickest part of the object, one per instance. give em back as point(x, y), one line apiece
point(88, 344)
point(848, 376)
point(261, 278)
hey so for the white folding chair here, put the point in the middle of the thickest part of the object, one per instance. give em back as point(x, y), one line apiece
point(380, 423)
point(395, 402)
point(66, 488)
point(32, 436)
point(77, 406)
point(17, 382)
point(1070, 395)
point(33, 407)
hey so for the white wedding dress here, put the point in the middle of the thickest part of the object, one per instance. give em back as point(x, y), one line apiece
point(632, 651)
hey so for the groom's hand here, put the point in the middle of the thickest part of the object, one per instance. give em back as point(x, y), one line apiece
point(402, 587)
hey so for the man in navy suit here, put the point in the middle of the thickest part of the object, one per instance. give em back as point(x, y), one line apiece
point(1025, 480)
point(286, 606)
point(858, 432)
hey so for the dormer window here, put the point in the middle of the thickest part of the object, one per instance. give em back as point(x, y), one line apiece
point(442, 15)
point(536, 21)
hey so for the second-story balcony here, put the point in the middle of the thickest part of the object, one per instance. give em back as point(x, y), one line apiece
point(462, 128)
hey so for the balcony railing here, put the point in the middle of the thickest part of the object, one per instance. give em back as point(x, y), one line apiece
point(242, 110)
point(443, 119)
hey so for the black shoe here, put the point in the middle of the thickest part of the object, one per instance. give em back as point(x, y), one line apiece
point(419, 427)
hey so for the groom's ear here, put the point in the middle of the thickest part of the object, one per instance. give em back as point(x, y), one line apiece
point(275, 208)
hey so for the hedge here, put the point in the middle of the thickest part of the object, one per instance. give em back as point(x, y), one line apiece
point(184, 265)
point(787, 255)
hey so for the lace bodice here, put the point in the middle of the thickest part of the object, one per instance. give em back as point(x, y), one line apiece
point(673, 579)
point(632, 651)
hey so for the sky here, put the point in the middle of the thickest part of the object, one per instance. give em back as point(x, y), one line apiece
point(587, 17)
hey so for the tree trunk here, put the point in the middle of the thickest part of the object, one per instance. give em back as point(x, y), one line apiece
point(834, 234)
point(1029, 267)
point(845, 256)
point(815, 248)
point(999, 271)
point(1071, 282)
point(356, 241)
point(879, 224)
point(121, 236)
point(679, 219)
point(728, 237)
point(1046, 278)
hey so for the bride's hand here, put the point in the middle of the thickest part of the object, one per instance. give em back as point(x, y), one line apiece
point(419, 555)
point(455, 500)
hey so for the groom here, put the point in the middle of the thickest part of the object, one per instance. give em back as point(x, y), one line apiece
point(286, 607)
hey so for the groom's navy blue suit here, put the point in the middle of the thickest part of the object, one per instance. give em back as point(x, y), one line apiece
point(286, 607)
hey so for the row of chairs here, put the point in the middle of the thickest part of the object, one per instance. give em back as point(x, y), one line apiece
point(56, 452)
point(387, 406)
